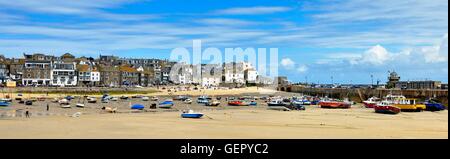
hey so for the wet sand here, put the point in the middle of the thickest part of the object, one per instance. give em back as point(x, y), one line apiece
point(220, 122)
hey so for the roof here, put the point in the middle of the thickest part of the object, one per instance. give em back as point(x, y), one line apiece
point(83, 68)
point(125, 68)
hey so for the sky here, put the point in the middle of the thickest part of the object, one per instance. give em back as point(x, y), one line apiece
point(320, 41)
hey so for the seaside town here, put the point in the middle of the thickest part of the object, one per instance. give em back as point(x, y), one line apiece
point(110, 71)
point(81, 91)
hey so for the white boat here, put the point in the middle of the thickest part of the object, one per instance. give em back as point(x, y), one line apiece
point(114, 99)
point(80, 105)
point(145, 98)
point(64, 101)
point(188, 101)
point(154, 98)
point(92, 100)
point(281, 108)
point(65, 106)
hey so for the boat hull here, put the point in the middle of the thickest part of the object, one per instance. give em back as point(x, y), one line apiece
point(334, 105)
point(411, 107)
point(369, 104)
point(387, 109)
point(189, 115)
point(434, 107)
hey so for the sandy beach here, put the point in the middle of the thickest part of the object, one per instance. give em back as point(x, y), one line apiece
point(220, 122)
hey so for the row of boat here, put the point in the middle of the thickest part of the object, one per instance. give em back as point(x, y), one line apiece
point(394, 104)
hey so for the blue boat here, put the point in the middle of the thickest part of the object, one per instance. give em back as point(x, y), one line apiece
point(191, 114)
point(253, 103)
point(137, 106)
point(166, 104)
point(434, 106)
point(4, 104)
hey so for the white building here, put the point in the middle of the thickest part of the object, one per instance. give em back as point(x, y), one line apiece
point(63, 74)
point(234, 73)
point(211, 75)
point(88, 74)
point(182, 74)
point(251, 75)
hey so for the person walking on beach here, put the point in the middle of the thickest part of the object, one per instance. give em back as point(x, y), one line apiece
point(48, 107)
point(27, 114)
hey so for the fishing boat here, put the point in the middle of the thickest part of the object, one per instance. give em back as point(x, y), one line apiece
point(238, 103)
point(166, 104)
point(433, 106)
point(145, 98)
point(409, 104)
point(386, 107)
point(191, 114)
point(371, 102)
point(334, 104)
point(4, 104)
point(137, 107)
point(253, 103)
point(124, 97)
point(212, 103)
point(276, 102)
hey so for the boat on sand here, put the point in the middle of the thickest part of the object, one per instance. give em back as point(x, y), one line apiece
point(191, 114)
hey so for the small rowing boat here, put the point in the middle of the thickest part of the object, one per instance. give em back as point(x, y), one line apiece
point(166, 104)
point(191, 114)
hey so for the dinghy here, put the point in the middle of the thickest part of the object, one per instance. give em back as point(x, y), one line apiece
point(137, 107)
point(92, 100)
point(280, 108)
point(4, 104)
point(145, 98)
point(80, 105)
point(166, 104)
point(187, 101)
point(65, 105)
point(191, 114)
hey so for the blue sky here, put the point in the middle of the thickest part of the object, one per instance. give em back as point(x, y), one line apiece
point(347, 39)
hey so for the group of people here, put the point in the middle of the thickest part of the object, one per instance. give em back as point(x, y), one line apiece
point(27, 112)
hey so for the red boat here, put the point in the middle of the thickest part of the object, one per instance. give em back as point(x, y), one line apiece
point(334, 104)
point(371, 102)
point(237, 103)
point(386, 107)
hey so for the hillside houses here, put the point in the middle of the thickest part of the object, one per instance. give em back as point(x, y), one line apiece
point(110, 71)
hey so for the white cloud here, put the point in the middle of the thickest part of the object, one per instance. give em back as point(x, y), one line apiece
point(302, 69)
point(287, 63)
point(376, 55)
point(252, 10)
